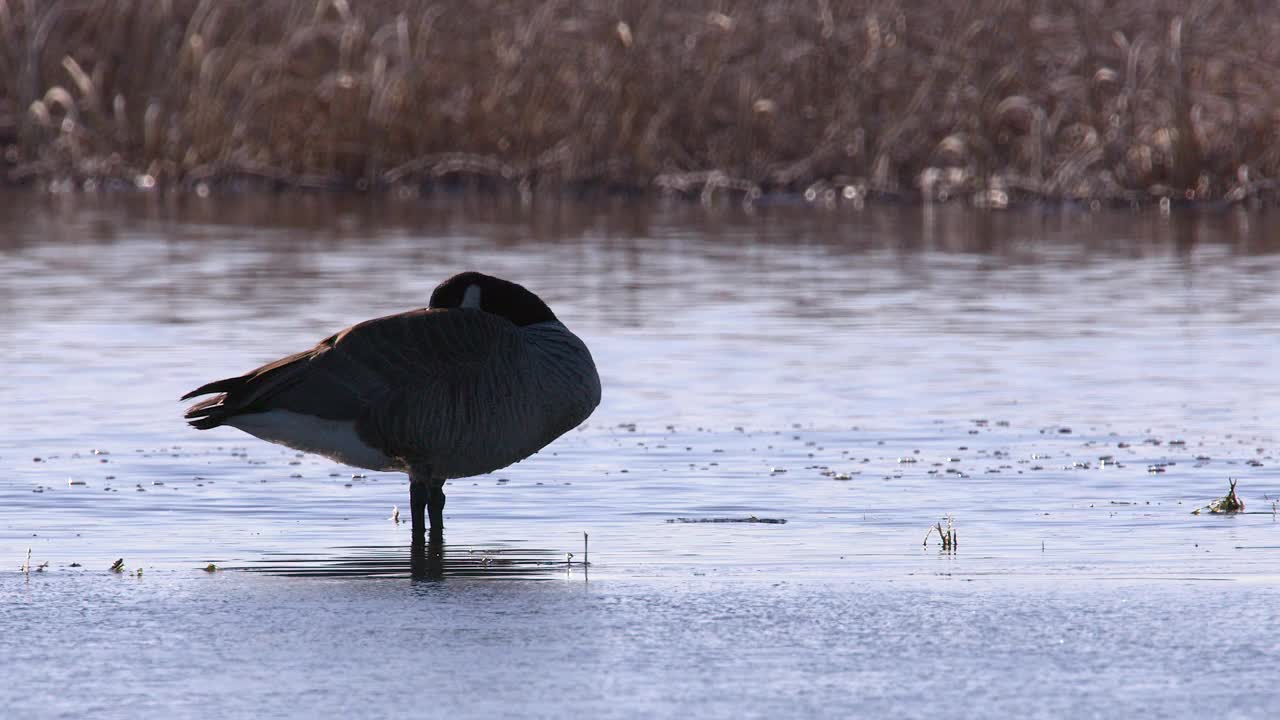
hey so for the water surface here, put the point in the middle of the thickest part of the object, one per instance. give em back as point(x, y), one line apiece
point(1067, 386)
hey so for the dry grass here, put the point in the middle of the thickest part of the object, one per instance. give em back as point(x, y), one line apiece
point(1117, 100)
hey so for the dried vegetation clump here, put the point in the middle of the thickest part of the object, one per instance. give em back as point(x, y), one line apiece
point(947, 536)
point(1127, 100)
point(1227, 504)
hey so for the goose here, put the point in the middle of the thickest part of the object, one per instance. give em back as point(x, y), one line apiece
point(481, 378)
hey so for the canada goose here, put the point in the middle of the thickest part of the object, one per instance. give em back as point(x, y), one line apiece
point(483, 377)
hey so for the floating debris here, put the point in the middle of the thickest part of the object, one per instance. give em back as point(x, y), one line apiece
point(73, 481)
point(395, 514)
point(1229, 503)
point(752, 519)
point(118, 565)
point(211, 568)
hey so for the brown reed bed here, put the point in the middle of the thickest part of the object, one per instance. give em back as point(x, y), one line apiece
point(1121, 100)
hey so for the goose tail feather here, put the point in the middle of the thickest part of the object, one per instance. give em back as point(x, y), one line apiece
point(217, 386)
point(212, 412)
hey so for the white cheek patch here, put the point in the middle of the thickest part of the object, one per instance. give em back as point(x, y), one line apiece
point(471, 298)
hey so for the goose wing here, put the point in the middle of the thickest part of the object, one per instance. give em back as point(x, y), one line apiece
point(373, 373)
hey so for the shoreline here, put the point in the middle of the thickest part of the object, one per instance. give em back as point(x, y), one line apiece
point(821, 195)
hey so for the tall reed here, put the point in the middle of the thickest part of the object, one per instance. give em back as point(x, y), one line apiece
point(1118, 100)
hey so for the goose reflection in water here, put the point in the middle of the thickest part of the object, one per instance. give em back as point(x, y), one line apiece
point(432, 560)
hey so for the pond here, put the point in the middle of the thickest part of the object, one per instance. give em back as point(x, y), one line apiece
point(1064, 386)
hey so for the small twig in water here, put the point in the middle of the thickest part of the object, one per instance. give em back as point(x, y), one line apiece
point(586, 557)
point(947, 536)
point(26, 566)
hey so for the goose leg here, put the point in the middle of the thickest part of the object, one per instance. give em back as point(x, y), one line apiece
point(435, 506)
point(418, 491)
point(426, 497)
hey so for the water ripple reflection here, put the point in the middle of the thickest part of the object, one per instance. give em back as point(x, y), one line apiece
point(435, 561)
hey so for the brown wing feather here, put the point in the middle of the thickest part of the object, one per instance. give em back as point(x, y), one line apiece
point(245, 393)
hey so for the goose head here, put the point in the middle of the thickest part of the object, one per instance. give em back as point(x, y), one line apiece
point(477, 291)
